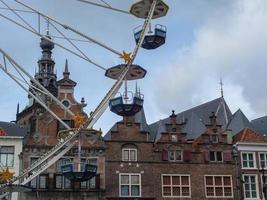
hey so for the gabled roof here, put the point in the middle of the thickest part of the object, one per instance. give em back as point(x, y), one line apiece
point(260, 125)
point(238, 122)
point(12, 129)
point(197, 117)
point(248, 135)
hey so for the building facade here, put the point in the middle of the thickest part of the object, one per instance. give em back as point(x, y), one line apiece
point(251, 150)
point(44, 132)
point(172, 167)
point(11, 144)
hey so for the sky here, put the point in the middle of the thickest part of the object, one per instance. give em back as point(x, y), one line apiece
point(206, 41)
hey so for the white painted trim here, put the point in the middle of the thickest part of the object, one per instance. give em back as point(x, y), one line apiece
point(129, 150)
point(261, 152)
point(188, 175)
point(215, 197)
point(257, 188)
point(254, 160)
point(140, 184)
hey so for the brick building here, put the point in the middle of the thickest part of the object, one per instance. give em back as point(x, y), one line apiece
point(44, 132)
point(169, 166)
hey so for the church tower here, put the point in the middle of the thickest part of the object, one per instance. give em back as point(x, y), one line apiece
point(46, 64)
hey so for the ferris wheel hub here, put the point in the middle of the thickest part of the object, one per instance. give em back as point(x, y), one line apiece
point(141, 9)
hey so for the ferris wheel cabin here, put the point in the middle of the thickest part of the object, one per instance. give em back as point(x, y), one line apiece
point(125, 109)
point(152, 40)
point(88, 172)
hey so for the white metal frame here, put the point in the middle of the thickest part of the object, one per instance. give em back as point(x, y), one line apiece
point(214, 186)
point(50, 157)
point(130, 184)
point(171, 185)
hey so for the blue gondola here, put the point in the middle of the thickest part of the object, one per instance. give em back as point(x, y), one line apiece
point(117, 106)
point(152, 40)
point(79, 176)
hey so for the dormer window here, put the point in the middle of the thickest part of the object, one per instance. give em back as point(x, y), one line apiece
point(129, 154)
point(214, 138)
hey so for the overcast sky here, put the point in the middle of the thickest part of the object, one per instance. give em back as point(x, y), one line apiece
point(206, 40)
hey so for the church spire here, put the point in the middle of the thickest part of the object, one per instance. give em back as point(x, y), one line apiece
point(221, 84)
point(46, 64)
point(66, 72)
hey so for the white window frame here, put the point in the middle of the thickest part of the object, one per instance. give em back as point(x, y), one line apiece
point(265, 161)
point(129, 154)
point(254, 159)
point(175, 159)
point(171, 175)
point(223, 186)
point(215, 156)
point(257, 186)
point(130, 174)
point(7, 155)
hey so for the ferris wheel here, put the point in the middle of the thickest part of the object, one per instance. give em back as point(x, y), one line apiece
point(126, 104)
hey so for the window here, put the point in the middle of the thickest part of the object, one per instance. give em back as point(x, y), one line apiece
point(130, 185)
point(7, 156)
point(60, 181)
point(216, 156)
point(214, 138)
point(129, 154)
point(250, 186)
point(263, 160)
point(248, 160)
point(90, 184)
point(43, 181)
point(176, 186)
point(263, 185)
point(70, 123)
point(175, 155)
point(218, 186)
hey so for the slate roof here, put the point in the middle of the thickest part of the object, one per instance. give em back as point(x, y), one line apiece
point(260, 125)
point(13, 129)
point(196, 118)
point(238, 122)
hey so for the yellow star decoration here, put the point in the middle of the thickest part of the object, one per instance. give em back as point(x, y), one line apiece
point(126, 56)
point(6, 175)
point(78, 120)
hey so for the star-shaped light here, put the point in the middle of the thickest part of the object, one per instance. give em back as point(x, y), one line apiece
point(78, 120)
point(6, 175)
point(126, 56)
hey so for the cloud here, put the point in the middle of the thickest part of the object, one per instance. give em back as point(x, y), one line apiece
point(232, 46)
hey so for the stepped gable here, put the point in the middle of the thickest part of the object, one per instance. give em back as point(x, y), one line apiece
point(197, 117)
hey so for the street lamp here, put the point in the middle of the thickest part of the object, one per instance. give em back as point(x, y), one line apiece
point(262, 170)
point(235, 156)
